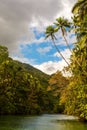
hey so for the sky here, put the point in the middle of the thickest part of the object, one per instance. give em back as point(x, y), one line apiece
point(22, 27)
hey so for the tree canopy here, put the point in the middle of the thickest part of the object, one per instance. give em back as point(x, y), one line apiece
point(74, 95)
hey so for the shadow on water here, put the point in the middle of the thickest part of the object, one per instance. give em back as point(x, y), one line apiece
point(43, 122)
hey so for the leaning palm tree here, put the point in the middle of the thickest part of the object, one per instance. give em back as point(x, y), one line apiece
point(62, 24)
point(50, 33)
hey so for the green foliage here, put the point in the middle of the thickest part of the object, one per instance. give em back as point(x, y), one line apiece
point(57, 84)
point(25, 90)
point(43, 78)
point(21, 92)
point(3, 53)
point(74, 97)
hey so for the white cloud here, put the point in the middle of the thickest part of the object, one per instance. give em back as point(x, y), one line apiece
point(70, 37)
point(17, 17)
point(51, 67)
point(24, 60)
point(67, 8)
point(66, 53)
point(44, 50)
point(32, 41)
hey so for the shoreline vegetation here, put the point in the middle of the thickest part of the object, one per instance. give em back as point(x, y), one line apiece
point(24, 90)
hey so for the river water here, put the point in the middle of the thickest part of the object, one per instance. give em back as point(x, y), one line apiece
point(42, 122)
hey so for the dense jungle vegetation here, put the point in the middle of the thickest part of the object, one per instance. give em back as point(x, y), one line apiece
point(74, 96)
point(26, 90)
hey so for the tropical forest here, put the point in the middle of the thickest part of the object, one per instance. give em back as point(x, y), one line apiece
point(25, 90)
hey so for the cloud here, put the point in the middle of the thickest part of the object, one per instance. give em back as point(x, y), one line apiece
point(24, 60)
point(66, 53)
point(33, 41)
point(48, 67)
point(70, 37)
point(17, 17)
point(44, 50)
point(51, 67)
point(67, 8)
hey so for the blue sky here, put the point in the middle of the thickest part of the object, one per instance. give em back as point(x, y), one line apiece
point(23, 23)
point(41, 52)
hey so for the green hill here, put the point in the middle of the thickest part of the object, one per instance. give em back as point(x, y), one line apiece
point(43, 78)
point(23, 88)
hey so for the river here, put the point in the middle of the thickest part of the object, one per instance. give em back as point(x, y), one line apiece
point(42, 122)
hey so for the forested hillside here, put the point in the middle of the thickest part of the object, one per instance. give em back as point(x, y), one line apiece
point(43, 78)
point(26, 90)
point(22, 87)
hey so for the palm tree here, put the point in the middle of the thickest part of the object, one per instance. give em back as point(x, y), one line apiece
point(50, 33)
point(62, 24)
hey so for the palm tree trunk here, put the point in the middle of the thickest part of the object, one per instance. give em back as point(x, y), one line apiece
point(60, 53)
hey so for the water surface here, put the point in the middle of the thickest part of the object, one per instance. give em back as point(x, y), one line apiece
point(43, 122)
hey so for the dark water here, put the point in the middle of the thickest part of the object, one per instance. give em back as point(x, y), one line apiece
point(43, 122)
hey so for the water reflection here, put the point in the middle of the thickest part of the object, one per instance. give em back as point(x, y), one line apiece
point(43, 122)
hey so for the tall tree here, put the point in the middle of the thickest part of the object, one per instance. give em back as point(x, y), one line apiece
point(63, 24)
point(80, 21)
point(50, 30)
point(75, 95)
